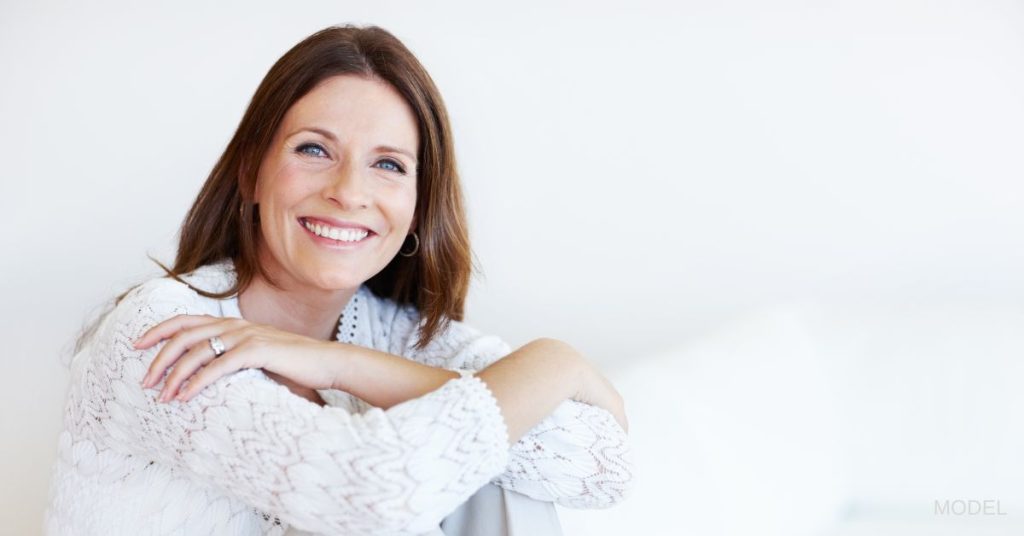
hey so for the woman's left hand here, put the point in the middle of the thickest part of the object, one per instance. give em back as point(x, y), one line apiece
point(308, 362)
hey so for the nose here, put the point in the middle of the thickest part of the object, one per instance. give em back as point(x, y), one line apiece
point(348, 188)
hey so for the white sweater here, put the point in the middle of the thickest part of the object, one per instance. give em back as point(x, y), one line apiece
point(247, 456)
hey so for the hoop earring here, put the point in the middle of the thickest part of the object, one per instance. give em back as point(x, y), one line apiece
point(414, 249)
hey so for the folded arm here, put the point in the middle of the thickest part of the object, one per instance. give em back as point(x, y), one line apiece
point(320, 469)
point(579, 456)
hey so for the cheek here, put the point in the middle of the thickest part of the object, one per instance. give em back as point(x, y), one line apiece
point(402, 206)
point(278, 191)
point(286, 189)
point(286, 182)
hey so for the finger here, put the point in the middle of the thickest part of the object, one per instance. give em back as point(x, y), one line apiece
point(233, 360)
point(167, 329)
point(183, 341)
point(197, 356)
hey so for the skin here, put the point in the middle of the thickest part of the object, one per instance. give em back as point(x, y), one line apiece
point(346, 151)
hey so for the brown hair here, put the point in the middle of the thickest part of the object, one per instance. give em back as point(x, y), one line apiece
point(222, 222)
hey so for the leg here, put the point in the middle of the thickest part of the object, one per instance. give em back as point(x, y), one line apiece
point(495, 511)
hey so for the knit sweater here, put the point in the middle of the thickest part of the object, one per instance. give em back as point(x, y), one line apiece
point(247, 456)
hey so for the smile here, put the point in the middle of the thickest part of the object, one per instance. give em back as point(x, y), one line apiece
point(336, 234)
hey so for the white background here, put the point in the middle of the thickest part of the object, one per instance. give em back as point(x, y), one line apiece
point(634, 175)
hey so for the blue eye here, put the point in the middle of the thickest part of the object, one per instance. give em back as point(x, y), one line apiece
point(302, 149)
point(396, 165)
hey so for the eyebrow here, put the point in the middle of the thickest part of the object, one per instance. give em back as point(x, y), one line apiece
point(330, 135)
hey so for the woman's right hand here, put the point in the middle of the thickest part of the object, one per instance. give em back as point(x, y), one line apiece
point(596, 390)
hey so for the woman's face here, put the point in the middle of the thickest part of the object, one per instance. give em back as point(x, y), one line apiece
point(337, 186)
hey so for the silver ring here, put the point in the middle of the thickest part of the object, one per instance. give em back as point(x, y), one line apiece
point(217, 345)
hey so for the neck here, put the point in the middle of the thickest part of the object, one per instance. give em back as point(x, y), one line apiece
point(306, 311)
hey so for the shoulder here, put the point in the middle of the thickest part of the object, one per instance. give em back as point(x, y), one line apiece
point(382, 309)
point(389, 323)
point(211, 278)
point(162, 297)
point(400, 320)
point(145, 306)
point(456, 345)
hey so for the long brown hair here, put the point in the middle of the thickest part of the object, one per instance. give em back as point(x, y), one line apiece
point(223, 222)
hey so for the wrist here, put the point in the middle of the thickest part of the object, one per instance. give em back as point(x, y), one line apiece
point(345, 366)
point(382, 379)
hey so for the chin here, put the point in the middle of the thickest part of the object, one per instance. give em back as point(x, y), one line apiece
point(339, 281)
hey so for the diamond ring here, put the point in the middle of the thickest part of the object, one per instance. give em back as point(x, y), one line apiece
point(217, 345)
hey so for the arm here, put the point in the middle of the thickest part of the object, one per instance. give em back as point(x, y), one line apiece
point(544, 368)
point(319, 469)
point(578, 456)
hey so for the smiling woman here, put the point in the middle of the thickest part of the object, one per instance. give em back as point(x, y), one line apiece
point(310, 176)
point(316, 373)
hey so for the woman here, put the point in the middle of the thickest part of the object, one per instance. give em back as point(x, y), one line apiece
point(304, 365)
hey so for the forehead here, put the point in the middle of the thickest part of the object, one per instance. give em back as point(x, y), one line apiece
point(359, 111)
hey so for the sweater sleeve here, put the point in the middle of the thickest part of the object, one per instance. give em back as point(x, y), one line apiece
point(320, 469)
point(578, 456)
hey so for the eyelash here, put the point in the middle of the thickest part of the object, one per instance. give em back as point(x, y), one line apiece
point(301, 150)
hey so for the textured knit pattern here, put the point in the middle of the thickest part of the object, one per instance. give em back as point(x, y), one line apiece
point(247, 456)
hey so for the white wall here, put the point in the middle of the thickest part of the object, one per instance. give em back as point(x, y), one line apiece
point(633, 175)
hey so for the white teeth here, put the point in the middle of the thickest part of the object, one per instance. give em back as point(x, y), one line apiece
point(335, 233)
